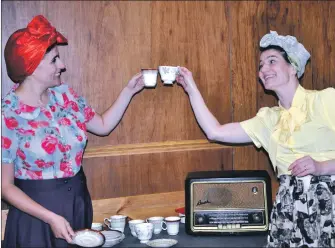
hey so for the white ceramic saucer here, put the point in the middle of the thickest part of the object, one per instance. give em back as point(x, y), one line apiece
point(112, 234)
point(88, 238)
point(162, 242)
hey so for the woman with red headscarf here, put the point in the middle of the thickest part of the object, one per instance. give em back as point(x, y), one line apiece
point(44, 125)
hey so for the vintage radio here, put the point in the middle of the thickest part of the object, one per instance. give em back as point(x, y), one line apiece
point(227, 202)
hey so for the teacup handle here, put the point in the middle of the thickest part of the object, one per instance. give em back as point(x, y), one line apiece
point(108, 222)
point(164, 228)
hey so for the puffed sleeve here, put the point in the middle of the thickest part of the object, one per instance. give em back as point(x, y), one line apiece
point(9, 139)
point(67, 97)
point(259, 127)
point(327, 100)
point(87, 111)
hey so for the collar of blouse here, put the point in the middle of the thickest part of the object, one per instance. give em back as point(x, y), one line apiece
point(291, 119)
point(26, 111)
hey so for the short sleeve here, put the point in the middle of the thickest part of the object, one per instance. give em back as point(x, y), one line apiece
point(9, 139)
point(67, 97)
point(327, 100)
point(87, 111)
point(259, 127)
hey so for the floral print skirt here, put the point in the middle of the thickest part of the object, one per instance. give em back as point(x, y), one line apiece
point(303, 214)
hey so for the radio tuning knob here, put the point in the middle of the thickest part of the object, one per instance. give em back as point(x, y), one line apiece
point(200, 219)
point(256, 217)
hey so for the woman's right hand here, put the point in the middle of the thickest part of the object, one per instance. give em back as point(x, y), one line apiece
point(61, 227)
point(185, 79)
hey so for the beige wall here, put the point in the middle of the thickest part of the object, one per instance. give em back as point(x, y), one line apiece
point(158, 141)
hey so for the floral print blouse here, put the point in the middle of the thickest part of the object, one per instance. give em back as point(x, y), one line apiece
point(45, 142)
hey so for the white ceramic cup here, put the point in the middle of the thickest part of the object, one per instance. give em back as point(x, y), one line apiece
point(182, 218)
point(168, 73)
point(96, 226)
point(132, 224)
point(149, 77)
point(144, 231)
point(157, 222)
point(171, 225)
point(116, 222)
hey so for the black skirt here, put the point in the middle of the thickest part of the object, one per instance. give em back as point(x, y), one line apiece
point(68, 197)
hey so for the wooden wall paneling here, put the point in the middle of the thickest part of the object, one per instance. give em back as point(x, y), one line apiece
point(118, 176)
point(317, 32)
point(330, 34)
point(152, 147)
point(191, 34)
point(244, 78)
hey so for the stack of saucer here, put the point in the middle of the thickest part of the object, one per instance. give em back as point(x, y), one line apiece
point(112, 237)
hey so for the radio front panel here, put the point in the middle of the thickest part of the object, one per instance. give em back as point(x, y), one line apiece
point(227, 205)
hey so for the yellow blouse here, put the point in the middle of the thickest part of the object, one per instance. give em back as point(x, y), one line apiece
point(307, 128)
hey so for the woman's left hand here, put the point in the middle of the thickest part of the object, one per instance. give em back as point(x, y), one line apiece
point(136, 83)
point(305, 166)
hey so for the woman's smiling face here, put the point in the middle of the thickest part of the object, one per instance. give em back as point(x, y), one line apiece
point(274, 71)
point(50, 68)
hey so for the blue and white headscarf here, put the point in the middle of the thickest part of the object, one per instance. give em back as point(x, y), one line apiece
point(296, 52)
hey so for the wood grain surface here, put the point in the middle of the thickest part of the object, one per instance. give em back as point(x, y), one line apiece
point(127, 175)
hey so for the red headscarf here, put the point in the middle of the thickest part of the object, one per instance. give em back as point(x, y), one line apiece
point(26, 47)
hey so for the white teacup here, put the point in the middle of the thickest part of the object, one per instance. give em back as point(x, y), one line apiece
point(168, 73)
point(172, 225)
point(96, 226)
point(132, 224)
point(144, 231)
point(116, 222)
point(150, 77)
point(157, 222)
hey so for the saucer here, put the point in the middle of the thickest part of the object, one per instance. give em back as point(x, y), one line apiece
point(110, 241)
point(88, 238)
point(162, 242)
point(112, 234)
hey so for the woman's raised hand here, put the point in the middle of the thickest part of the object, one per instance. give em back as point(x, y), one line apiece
point(185, 79)
point(136, 83)
point(61, 228)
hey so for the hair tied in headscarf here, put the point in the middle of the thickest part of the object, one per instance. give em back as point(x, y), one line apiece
point(296, 52)
point(26, 47)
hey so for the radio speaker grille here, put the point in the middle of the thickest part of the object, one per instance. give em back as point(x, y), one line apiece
point(228, 195)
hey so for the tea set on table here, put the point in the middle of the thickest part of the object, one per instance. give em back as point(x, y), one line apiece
point(139, 228)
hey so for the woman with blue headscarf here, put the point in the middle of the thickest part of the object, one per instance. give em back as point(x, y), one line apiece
point(299, 136)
